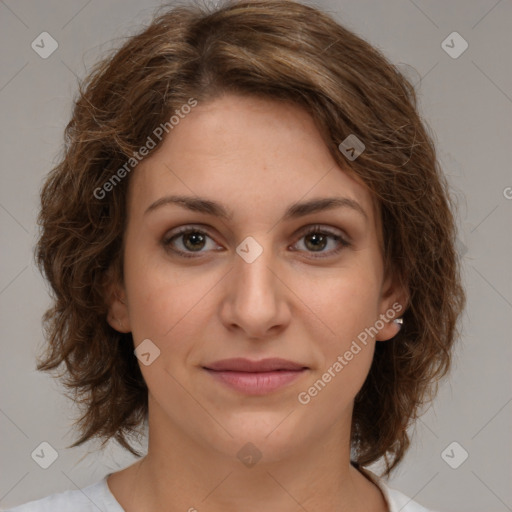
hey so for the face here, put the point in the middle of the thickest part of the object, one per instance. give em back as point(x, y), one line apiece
point(267, 280)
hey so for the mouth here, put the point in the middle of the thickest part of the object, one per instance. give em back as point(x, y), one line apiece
point(255, 377)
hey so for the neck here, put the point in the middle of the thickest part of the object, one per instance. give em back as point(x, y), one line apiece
point(180, 473)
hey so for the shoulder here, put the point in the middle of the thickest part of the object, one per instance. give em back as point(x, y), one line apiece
point(400, 502)
point(396, 500)
point(89, 499)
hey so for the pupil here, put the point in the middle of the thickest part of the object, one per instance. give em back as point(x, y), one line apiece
point(197, 237)
point(318, 238)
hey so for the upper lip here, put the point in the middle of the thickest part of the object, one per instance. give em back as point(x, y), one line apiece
point(239, 364)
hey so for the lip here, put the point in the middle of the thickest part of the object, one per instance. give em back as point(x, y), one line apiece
point(255, 377)
point(240, 364)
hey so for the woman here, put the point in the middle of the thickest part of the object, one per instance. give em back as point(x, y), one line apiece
point(251, 247)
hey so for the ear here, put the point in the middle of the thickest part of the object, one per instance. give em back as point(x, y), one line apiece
point(393, 303)
point(118, 315)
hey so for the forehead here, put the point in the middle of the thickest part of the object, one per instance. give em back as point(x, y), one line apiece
point(245, 151)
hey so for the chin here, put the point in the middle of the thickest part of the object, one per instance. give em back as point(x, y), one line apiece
point(263, 435)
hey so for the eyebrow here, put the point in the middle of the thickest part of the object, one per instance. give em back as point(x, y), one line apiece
point(294, 211)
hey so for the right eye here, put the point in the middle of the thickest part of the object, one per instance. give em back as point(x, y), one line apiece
point(192, 240)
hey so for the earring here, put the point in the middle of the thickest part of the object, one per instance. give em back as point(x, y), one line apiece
point(399, 322)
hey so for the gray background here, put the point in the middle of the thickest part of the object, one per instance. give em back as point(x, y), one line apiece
point(467, 102)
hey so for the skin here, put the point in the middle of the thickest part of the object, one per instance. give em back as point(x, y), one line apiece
point(256, 157)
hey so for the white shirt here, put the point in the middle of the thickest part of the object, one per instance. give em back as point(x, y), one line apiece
point(97, 497)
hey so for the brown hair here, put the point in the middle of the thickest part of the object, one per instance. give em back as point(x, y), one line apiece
point(275, 49)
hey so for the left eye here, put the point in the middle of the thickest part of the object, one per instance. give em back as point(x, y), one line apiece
point(317, 238)
point(193, 240)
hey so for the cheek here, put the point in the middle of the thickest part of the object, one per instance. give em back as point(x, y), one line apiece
point(168, 305)
point(345, 356)
point(348, 301)
point(329, 395)
point(156, 303)
point(348, 304)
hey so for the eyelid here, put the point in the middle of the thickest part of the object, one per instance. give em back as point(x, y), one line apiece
point(334, 233)
point(324, 228)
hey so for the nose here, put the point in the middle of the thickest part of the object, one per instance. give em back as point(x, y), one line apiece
point(255, 299)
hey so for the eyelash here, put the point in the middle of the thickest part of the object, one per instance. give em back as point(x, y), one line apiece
point(311, 230)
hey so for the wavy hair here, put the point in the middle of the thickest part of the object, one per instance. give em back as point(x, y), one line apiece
point(274, 49)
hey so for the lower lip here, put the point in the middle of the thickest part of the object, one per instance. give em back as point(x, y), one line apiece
point(256, 383)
